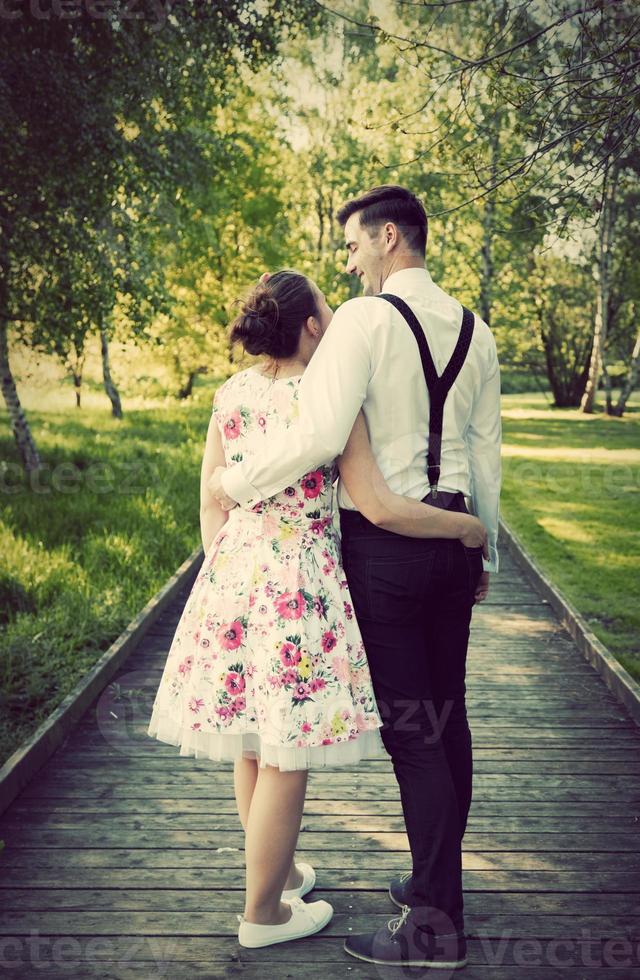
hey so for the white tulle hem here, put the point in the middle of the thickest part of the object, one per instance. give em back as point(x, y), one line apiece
point(229, 746)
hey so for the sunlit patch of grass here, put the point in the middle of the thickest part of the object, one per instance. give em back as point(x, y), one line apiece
point(88, 541)
point(575, 503)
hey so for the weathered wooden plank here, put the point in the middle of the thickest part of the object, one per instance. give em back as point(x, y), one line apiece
point(224, 924)
point(208, 805)
point(322, 823)
point(209, 900)
point(54, 858)
point(84, 836)
point(78, 960)
point(565, 764)
point(127, 875)
point(333, 786)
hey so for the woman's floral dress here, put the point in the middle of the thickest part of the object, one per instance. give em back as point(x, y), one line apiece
point(267, 660)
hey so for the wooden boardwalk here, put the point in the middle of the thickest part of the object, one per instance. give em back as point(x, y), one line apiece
point(123, 859)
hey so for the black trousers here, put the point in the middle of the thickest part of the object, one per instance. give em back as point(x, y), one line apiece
point(413, 599)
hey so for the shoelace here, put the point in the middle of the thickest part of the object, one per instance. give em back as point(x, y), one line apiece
point(405, 876)
point(396, 923)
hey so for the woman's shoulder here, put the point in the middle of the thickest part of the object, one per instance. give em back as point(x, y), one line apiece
point(232, 386)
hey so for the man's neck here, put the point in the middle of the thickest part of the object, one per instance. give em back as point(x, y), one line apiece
point(402, 263)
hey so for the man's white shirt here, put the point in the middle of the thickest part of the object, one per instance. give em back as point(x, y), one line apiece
point(368, 358)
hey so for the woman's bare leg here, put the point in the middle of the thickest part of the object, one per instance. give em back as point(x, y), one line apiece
point(270, 841)
point(245, 774)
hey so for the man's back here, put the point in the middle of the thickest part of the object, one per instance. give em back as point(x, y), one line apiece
point(397, 401)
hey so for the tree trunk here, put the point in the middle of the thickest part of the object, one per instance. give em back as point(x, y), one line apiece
point(488, 225)
point(109, 386)
point(187, 388)
point(605, 242)
point(630, 383)
point(19, 425)
point(77, 386)
point(486, 277)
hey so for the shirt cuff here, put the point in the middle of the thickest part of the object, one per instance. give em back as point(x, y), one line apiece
point(239, 489)
point(491, 563)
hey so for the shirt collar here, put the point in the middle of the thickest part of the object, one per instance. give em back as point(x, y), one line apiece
point(406, 279)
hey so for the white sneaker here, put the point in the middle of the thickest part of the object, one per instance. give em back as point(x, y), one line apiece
point(306, 919)
point(308, 882)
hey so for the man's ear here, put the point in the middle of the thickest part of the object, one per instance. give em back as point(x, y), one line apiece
point(390, 234)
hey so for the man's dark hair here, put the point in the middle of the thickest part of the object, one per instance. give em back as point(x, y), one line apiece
point(390, 202)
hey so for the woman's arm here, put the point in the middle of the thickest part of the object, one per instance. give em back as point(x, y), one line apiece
point(370, 493)
point(212, 516)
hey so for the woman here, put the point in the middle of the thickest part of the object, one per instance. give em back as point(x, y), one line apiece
point(267, 666)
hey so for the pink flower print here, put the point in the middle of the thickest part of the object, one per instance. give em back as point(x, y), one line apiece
point(306, 727)
point(328, 641)
point(196, 725)
point(290, 655)
point(186, 665)
point(290, 605)
point(312, 484)
point(274, 680)
point(262, 610)
point(261, 420)
point(195, 704)
point(230, 635)
point(234, 683)
point(232, 425)
point(232, 708)
point(301, 691)
point(289, 677)
point(327, 741)
point(348, 610)
point(345, 714)
point(204, 642)
point(340, 667)
point(223, 712)
point(318, 607)
point(317, 683)
point(196, 637)
point(252, 600)
point(318, 526)
point(240, 703)
point(250, 670)
point(289, 491)
point(330, 559)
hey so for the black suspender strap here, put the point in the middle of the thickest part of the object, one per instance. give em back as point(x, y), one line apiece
point(438, 386)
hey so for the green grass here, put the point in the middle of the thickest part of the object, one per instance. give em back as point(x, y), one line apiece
point(571, 491)
point(116, 512)
point(86, 545)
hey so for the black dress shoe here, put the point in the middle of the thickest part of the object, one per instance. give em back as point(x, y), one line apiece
point(405, 942)
point(400, 891)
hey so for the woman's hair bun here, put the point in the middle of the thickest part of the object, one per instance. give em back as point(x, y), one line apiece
point(272, 315)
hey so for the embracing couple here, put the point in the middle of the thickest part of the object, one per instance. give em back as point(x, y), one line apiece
point(319, 634)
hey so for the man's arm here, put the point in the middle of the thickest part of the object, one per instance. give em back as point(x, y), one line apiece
point(484, 438)
point(331, 392)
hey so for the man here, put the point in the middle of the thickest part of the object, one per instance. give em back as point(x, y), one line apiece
point(412, 597)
